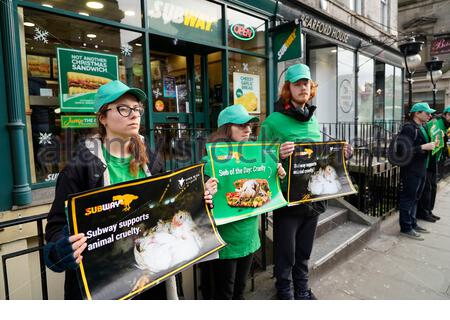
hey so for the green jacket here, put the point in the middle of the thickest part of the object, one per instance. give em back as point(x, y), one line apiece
point(281, 127)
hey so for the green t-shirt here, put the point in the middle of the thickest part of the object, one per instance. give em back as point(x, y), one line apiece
point(280, 128)
point(119, 168)
point(241, 236)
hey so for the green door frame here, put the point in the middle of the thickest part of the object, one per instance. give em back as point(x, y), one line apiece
point(6, 184)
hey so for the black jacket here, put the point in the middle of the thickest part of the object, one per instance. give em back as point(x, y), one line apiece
point(84, 172)
point(417, 165)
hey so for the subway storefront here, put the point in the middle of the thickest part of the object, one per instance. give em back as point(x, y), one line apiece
point(192, 58)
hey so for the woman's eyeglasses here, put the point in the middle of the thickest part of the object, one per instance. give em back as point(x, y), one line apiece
point(125, 111)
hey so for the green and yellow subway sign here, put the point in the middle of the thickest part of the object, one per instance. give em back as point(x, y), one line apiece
point(287, 42)
point(78, 122)
point(195, 20)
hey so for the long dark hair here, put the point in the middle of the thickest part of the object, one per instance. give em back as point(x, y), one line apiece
point(222, 134)
point(136, 147)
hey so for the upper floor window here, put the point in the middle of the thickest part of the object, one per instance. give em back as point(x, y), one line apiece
point(357, 6)
point(384, 16)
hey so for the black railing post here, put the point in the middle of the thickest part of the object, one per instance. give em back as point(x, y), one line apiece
point(41, 261)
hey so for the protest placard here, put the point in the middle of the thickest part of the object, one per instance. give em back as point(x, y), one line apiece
point(142, 232)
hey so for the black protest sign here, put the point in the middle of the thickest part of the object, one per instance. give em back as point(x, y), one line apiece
point(317, 171)
point(142, 232)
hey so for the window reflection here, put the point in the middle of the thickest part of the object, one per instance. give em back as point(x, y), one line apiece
point(123, 11)
point(43, 34)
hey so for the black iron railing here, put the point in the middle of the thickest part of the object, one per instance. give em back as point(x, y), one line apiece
point(40, 234)
point(375, 178)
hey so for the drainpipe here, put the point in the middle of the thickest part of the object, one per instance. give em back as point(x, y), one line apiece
point(15, 101)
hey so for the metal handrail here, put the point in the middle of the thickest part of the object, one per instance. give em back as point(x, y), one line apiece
point(40, 233)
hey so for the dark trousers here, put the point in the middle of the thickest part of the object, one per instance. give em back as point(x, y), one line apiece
point(293, 237)
point(428, 198)
point(411, 188)
point(230, 277)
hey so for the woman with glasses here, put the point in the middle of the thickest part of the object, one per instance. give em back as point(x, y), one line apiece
point(116, 154)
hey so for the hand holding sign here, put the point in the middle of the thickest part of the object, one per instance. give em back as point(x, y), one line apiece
point(286, 149)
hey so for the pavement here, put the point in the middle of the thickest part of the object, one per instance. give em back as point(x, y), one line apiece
point(390, 266)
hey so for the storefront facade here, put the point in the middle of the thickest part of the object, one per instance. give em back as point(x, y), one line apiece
point(192, 58)
point(360, 78)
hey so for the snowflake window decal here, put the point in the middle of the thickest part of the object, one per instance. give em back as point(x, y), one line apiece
point(126, 49)
point(157, 93)
point(45, 138)
point(40, 35)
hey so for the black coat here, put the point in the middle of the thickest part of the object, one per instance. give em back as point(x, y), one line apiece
point(417, 164)
point(82, 173)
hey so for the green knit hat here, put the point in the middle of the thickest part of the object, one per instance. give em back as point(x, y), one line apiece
point(422, 106)
point(296, 72)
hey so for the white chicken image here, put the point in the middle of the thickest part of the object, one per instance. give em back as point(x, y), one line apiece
point(325, 181)
point(168, 243)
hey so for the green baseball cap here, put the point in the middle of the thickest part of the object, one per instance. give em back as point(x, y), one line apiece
point(112, 91)
point(422, 106)
point(296, 72)
point(235, 114)
point(447, 109)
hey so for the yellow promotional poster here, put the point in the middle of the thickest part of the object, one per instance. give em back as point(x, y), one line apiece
point(246, 91)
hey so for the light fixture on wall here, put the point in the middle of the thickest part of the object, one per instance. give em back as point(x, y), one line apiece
point(410, 50)
point(434, 74)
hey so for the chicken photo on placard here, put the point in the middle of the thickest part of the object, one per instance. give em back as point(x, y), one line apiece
point(168, 244)
point(324, 181)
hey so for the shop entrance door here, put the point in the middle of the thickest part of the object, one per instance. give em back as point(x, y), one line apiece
point(180, 109)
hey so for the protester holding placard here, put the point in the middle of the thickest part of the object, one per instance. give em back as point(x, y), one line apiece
point(413, 173)
point(233, 266)
point(436, 128)
point(116, 154)
point(295, 226)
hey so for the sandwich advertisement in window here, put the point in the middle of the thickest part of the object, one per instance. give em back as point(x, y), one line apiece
point(81, 73)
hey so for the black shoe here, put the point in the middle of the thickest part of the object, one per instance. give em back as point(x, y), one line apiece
point(420, 229)
point(284, 295)
point(435, 217)
point(428, 218)
point(305, 295)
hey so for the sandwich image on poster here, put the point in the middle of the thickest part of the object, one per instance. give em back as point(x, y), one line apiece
point(142, 232)
point(80, 75)
point(317, 171)
point(249, 193)
point(248, 180)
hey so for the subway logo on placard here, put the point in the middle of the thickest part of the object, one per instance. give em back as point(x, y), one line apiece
point(124, 200)
point(169, 12)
